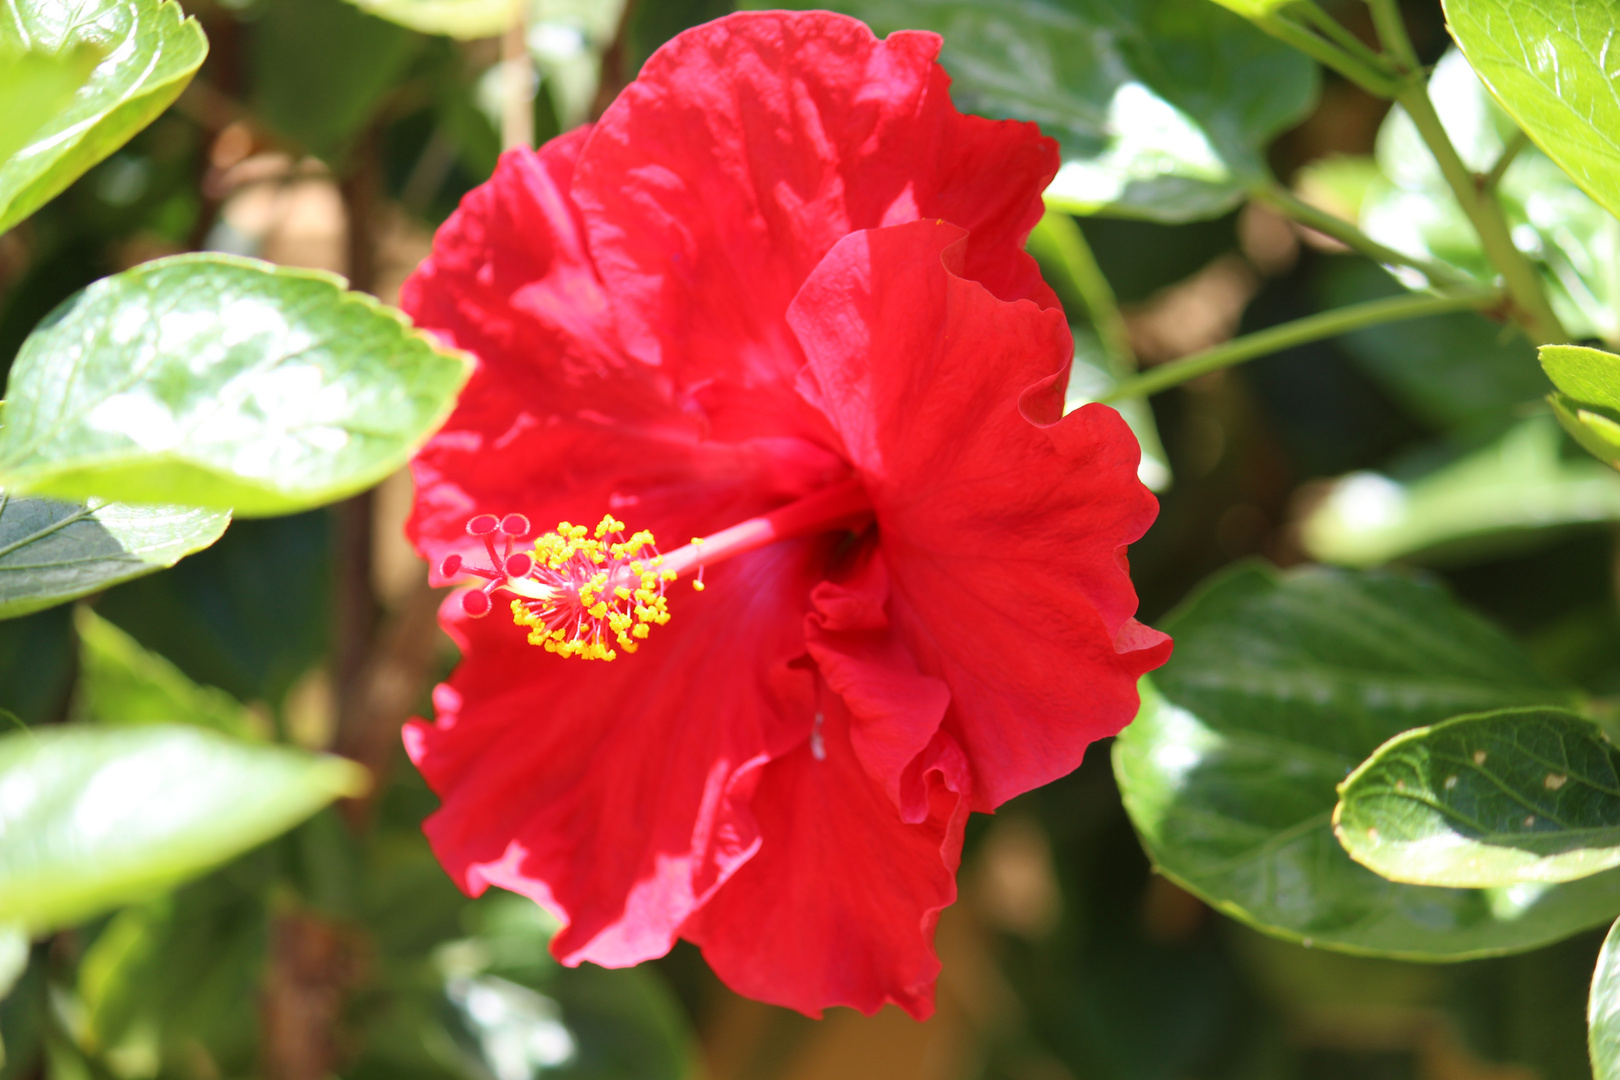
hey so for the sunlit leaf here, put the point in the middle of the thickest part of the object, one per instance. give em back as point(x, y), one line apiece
point(1575, 241)
point(224, 382)
point(51, 552)
point(456, 18)
point(91, 818)
point(35, 86)
point(150, 51)
point(1551, 68)
point(1499, 798)
point(1603, 1010)
point(1483, 502)
point(1279, 687)
point(1163, 108)
point(121, 684)
point(1587, 401)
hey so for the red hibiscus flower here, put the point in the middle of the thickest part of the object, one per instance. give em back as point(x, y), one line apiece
point(776, 298)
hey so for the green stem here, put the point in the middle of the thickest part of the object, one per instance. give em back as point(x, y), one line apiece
point(1311, 328)
point(1370, 76)
point(1339, 34)
point(1064, 239)
point(1386, 16)
point(1530, 306)
point(1510, 153)
point(1290, 205)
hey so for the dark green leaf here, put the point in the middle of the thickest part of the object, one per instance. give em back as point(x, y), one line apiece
point(1500, 798)
point(1550, 67)
point(250, 615)
point(1603, 1010)
point(307, 81)
point(91, 818)
point(224, 382)
point(1459, 371)
point(53, 551)
point(457, 18)
point(13, 958)
point(1482, 502)
point(1280, 685)
point(151, 52)
point(121, 684)
point(1163, 108)
point(164, 983)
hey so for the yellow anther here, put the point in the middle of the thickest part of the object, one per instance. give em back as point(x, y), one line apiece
point(697, 586)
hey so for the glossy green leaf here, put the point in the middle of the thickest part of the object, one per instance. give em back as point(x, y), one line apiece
point(1481, 503)
point(1280, 685)
point(34, 86)
point(1551, 68)
point(455, 18)
point(51, 551)
point(1587, 402)
point(1163, 108)
point(1498, 798)
point(1603, 1010)
point(151, 50)
point(91, 818)
point(1573, 240)
point(121, 684)
point(224, 382)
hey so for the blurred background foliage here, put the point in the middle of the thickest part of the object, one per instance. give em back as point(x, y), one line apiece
point(318, 134)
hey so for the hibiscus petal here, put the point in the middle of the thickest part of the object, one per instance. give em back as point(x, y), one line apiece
point(616, 794)
point(839, 905)
point(896, 708)
point(747, 147)
point(1004, 539)
point(556, 422)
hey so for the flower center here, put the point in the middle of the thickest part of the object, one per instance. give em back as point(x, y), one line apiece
point(581, 592)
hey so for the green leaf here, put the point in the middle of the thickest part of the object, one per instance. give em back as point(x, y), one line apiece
point(456, 18)
point(51, 552)
point(92, 818)
point(1603, 1010)
point(1575, 242)
point(166, 978)
point(250, 615)
point(1587, 402)
point(1550, 68)
point(1499, 798)
point(307, 83)
point(13, 958)
point(1483, 503)
point(1163, 108)
point(219, 381)
point(1454, 372)
point(1280, 685)
point(121, 684)
point(34, 86)
point(151, 52)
